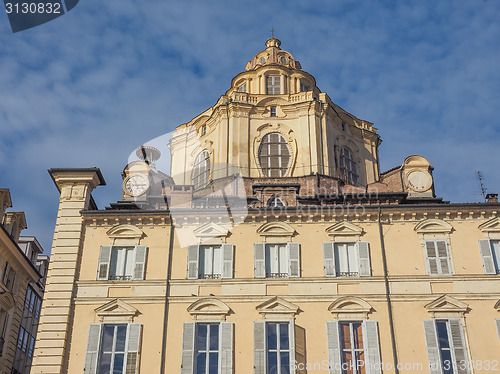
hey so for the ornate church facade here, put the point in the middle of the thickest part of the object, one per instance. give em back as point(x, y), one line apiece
point(273, 245)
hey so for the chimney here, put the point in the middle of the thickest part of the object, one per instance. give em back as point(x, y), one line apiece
point(492, 198)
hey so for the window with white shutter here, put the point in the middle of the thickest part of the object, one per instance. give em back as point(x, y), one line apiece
point(122, 263)
point(438, 257)
point(277, 260)
point(353, 346)
point(346, 259)
point(207, 348)
point(274, 347)
point(490, 254)
point(113, 348)
point(210, 261)
point(446, 348)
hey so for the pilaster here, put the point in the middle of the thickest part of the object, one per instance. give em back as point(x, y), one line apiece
point(75, 186)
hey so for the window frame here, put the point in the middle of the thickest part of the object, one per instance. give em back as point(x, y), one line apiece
point(348, 168)
point(278, 350)
point(273, 84)
point(438, 258)
point(261, 261)
point(363, 259)
point(200, 177)
point(352, 350)
point(138, 268)
point(194, 261)
point(207, 351)
point(267, 159)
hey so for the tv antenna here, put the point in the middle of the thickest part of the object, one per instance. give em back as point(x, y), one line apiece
point(483, 188)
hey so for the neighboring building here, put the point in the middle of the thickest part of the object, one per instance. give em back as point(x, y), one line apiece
point(18, 274)
point(275, 246)
point(32, 306)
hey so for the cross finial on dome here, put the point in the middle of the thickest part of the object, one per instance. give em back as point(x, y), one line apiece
point(272, 32)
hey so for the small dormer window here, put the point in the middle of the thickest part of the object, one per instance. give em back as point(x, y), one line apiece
point(242, 88)
point(262, 60)
point(273, 111)
point(275, 201)
point(283, 60)
point(304, 87)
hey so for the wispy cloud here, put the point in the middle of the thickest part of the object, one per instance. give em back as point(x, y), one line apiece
point(86, 89)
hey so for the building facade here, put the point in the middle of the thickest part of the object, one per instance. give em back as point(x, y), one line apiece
point(18, 277)
point(274, 245)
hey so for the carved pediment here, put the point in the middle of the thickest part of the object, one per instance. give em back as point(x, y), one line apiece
point(210, 230)
point(446, 306)
point(209, 309)
point(274, 229)
point(116, 311)
point(125, 234)
point(433, 226)
point(493, 225)
point(350, 307)
point(344, 229)
point(278, 308)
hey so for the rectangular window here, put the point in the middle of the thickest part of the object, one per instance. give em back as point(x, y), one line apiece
point(207, 348)
point(278, 348)
point(346, 259)
point(355, 346)
point(273, 111)
point(446, 346)
point(9, 276)
point(122, 263)
point(113, 348)
point(438, 259)
point(210, 261)
point(352, 348)
point(273, 86)
point(277, 260)
point(4, 320)
point(304, 87)
point(490, 254)
point(242, 88)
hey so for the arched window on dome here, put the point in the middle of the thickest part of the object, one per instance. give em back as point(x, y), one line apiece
point(275, 201)
point(274, 155)
point(273, 85)
point(201, 170)
point(348, 167)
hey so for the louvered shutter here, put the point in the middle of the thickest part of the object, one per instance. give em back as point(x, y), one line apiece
point(6, 272)
point(92, 349)
point(458, 344)
point(104, 262)
point(372, 347)
point(444, 257)
point(300, 349)
point(140, 262)
point(227, 260)
point(497, 321)
point(487, 256)
point(291, 344)
point(188, 337)
point(333, 344)
point(260, 260)
point(364, 259)
point(432, 346)
point(430, 249)
point(294, 259)
point(329, 259)
point(192, 261)
point(133, 344)
point(15, 283)
point(259, 348)
point(226, 348)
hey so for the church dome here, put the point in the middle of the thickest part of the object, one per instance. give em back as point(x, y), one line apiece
point(273, 55)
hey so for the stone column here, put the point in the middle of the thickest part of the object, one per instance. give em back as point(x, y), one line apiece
point(52, 341)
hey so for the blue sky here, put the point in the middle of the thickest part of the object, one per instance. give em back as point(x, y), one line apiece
point(87, 88)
